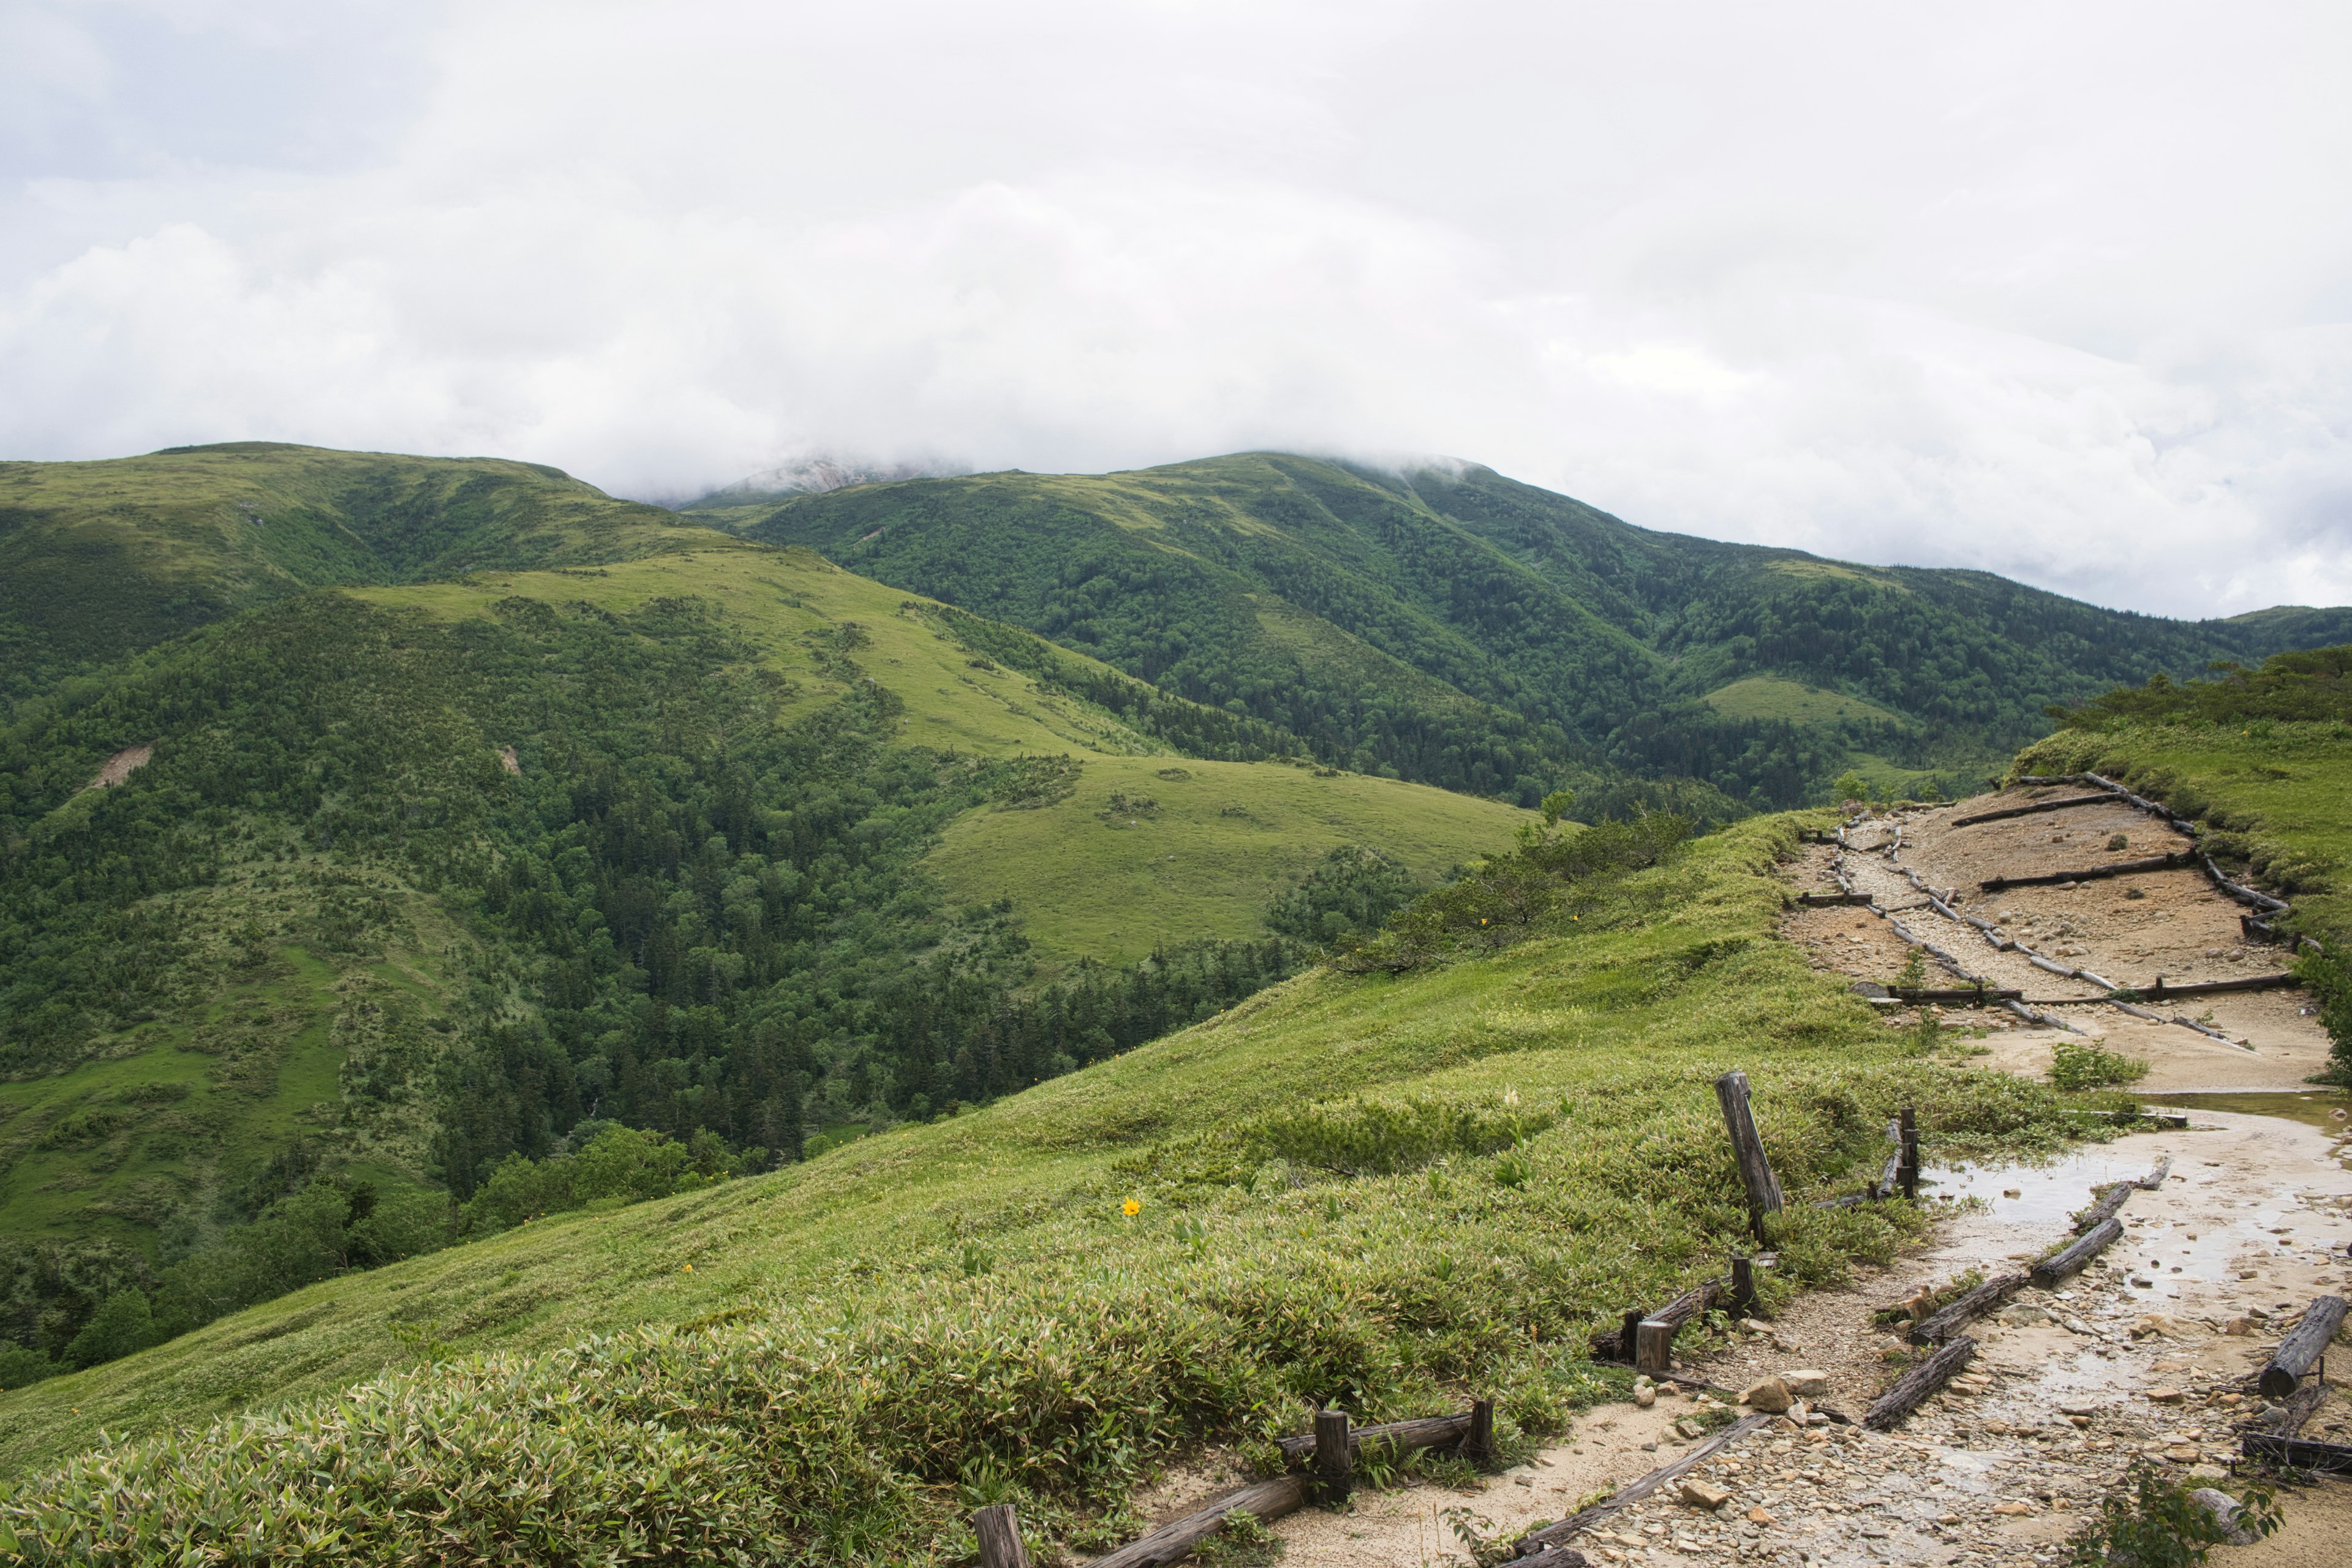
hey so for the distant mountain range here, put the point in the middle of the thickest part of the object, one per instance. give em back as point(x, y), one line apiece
point(1453, 626)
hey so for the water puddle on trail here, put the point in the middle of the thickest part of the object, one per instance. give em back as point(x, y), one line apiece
point(2045, 1194)
point(2326, 1109)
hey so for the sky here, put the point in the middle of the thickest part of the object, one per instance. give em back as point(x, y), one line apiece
point(2058, 291)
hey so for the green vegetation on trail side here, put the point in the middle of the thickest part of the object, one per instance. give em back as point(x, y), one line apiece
point(2262, 756)
point(101, 559)
point(1456, 627)
point(1380, 1190)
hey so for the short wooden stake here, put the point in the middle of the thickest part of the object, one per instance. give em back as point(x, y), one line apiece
point(999, 1529)
point(1907, 1174)
point(1629, 1334)
point(1755, 1170)
point(1743, 1287)
point(1653, 1350)
point(1478, 1443)
point(1335, 1459)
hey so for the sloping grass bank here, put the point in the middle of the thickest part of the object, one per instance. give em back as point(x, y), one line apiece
point(1381, 1190)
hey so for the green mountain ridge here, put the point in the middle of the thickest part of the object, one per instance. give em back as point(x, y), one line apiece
point(1464, 629)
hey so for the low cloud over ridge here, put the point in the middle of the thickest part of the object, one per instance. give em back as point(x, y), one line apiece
point(2061, 295)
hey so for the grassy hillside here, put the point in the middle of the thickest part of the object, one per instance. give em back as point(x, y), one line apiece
point(1456, 627)
point(103, 557)
point(1142, 854)
point(416, 878)
point(1378, 1189)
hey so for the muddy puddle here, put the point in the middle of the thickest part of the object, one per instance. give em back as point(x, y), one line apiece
point(2321, 1108)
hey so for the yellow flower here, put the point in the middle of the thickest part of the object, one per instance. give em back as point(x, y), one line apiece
point(687, 1269)
point(1130, 1208)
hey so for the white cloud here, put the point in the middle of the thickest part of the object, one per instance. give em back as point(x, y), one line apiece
point(2063, 294)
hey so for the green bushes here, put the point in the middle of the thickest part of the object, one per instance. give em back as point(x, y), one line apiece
point(613, 1164)
point(2086, 1064)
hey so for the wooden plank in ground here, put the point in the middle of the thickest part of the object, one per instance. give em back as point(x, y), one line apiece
point(1266, 1500)
point(1955, 1314)
point(2038, 808)
point(1553, 1536)
point(1917, 1385)
point(2087, 1246)
point(2092, 873)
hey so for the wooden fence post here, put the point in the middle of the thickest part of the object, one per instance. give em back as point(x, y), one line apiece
point(1335, 1460)
point(1653, 1351)
point(1629, 1334)
point(1478, 1443)
point(1743, 1287)
point(999, 1529)
point(1908, 1174)
point(1755, 1171)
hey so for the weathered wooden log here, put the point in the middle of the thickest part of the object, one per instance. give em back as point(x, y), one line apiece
point(2242, 893)
point(2154, 1180)
point(2161, 992)
point(1915, 1387)
point(2302, 1349)
point(1969, 995)
point(1557, 1557)
point(2036, 809)
point(1554, 1535)
point(1335, 1456)
point(1265, 1500)
point(1956, 1314)
point(1830, 900)
point(2298, 1453)
point(2092, 873)
point(2052, 964)
point(2106, 1208)
point(2047, 1020)
point(2186, 1022)
point(1423, 1432)
point(2085, 1248)
point(1755, 1171)
point(2101, 981)
point(2277, 1444)
point(999, 1529)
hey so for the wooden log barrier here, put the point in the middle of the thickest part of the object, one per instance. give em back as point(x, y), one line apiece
point(1553, 1536)
point(2036, 809)
point(2302, 1348)
point(1266, 1500)
point(2092, 873)
point(1423, 1432)
point(2087, 1246)
point(2161, 992)
point(2154, 1180)
point(2106, 1208)
point(2277, 1443)
point(1956, 1314)
point(1755, 1171)
point(999, 1530)
point(1915, 1387)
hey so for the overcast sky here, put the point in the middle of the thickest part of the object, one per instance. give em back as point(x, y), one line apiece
point(2062, 291)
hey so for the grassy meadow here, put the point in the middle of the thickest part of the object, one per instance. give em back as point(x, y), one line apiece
point(1384, 1190)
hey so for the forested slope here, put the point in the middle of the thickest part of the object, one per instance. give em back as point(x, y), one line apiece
point(1458, 627)
point(312, 917)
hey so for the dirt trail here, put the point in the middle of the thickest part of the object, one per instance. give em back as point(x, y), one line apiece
point(2178, 927)
point(2069, 1384)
